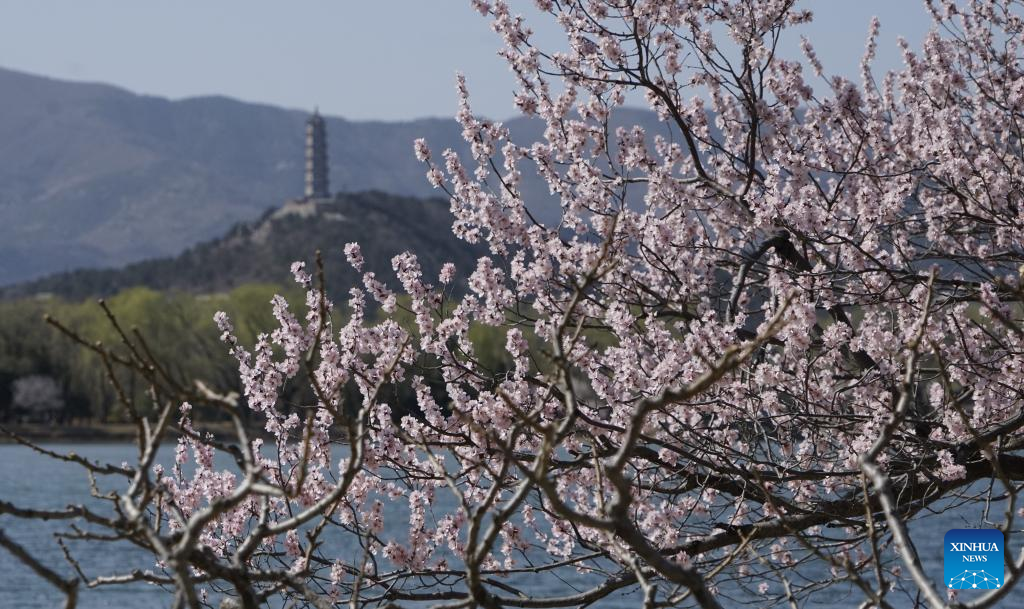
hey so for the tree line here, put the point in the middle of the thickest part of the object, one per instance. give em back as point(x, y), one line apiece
point(46, 377)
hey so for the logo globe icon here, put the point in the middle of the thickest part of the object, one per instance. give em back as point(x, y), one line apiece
point(973, 579)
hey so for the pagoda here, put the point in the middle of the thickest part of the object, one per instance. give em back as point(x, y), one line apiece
point(316, 158)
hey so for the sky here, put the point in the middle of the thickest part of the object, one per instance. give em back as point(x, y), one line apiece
point(359, 59)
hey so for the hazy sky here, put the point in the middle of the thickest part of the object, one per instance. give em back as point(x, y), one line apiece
point(361, 59)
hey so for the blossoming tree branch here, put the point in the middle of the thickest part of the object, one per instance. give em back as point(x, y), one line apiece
point(759, 341)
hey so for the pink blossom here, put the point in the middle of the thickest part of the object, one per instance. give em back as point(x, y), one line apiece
point(354, 255)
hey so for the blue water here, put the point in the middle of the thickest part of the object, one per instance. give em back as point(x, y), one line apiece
point(32, 480)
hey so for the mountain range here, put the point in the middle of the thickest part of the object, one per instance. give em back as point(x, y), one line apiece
point(94, 176)
point(262, 251)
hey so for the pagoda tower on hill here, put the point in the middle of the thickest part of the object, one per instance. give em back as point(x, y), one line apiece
point(316, 158)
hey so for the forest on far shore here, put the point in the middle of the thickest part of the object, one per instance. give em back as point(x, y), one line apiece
point(45, 377)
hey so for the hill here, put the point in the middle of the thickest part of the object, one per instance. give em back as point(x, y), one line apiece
point(262, 251)
point(96, 176)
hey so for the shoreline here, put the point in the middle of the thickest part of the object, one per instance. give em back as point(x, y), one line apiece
point(97, 433)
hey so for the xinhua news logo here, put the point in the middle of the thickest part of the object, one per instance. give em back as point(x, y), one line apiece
point(973, 558)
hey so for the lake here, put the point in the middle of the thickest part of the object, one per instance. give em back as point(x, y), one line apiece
point(31, 480)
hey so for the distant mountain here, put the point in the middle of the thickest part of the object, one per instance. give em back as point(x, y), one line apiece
point(262, 251)
point(95, 176)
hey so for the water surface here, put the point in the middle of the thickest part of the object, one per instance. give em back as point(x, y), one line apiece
point(32, 480)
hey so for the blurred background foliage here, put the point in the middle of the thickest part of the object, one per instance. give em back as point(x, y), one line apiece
point(179, 329)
